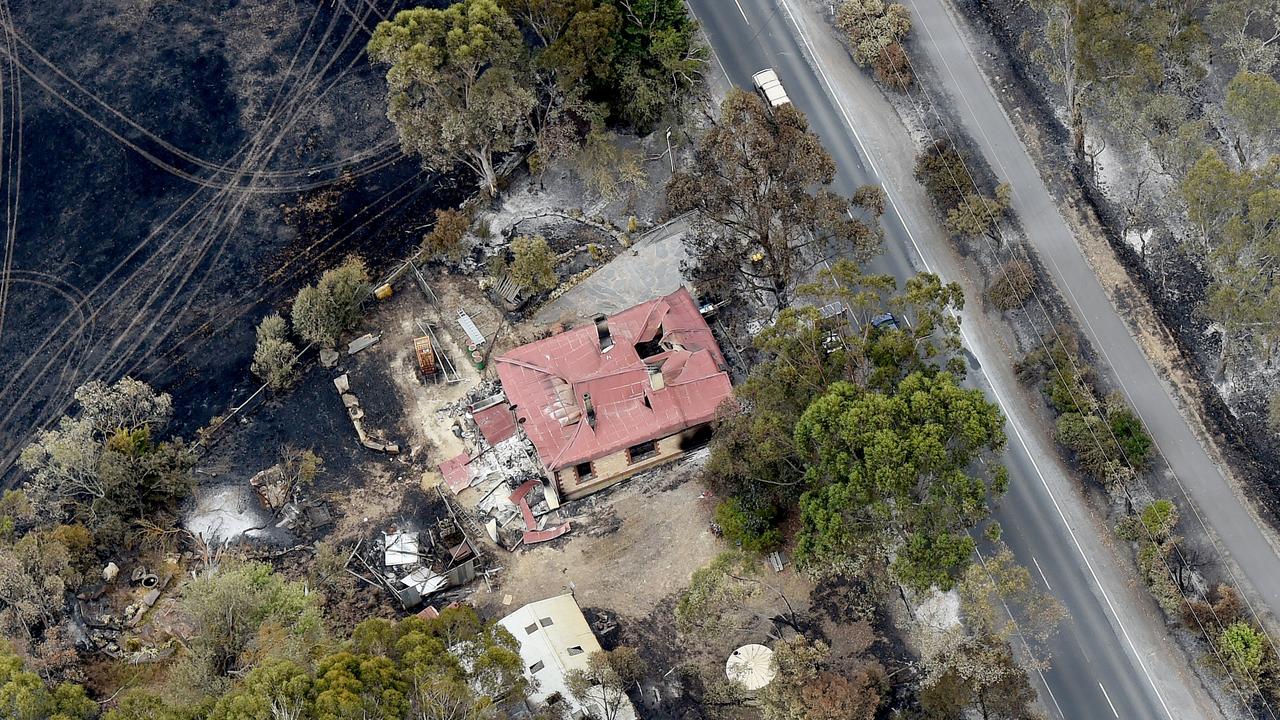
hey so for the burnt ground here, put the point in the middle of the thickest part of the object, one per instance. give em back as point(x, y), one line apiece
point(155, 252)
point(1168, 281)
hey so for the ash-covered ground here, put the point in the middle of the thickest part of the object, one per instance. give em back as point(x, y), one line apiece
point(160, 146)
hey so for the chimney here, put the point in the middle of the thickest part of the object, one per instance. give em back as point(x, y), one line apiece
point(656, 381)
point(590, 410)
point(602, 329)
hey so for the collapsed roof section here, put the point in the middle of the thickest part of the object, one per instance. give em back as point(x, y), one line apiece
point(644, 373)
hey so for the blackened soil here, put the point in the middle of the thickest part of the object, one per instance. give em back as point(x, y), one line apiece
point(150, 242)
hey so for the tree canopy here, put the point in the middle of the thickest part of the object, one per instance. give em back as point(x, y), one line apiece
point(454, 667)
point(322, 312)
point(634, 58)
point(106, 466)
point(759, 223)
point(455, 90)
point(891, 472)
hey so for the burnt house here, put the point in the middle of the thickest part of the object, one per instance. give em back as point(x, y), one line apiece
point(625, 393)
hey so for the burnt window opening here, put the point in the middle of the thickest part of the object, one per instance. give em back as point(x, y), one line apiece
point(695, 438)
point(643, 451)
point(584, 471)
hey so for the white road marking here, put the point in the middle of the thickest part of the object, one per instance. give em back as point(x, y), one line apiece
point(999, 400)
point(1108, 697)
point(1049, 690)
point(1042, 575)
point(744, 14)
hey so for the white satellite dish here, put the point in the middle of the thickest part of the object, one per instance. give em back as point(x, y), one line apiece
point(750, 666)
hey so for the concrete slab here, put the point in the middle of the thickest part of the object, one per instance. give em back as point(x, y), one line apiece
point(646, 270)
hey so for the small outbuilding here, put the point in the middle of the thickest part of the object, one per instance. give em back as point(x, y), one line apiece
point(555, 639)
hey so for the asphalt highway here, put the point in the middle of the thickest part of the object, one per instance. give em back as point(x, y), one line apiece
point(1110, 658)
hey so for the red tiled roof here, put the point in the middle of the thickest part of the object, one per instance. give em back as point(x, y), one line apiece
point(545, 382)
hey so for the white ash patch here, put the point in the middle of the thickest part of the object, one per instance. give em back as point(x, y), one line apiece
point(940, 611)
point(227, 513)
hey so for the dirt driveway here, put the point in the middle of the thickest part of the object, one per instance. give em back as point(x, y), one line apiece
point(630, 547)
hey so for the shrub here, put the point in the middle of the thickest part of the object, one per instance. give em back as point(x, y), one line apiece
point(445, 238)
point(323, 311)
point(872, 26)
point(893, 68)
point(1128, 431)
point(1012, 284)
point(1244, 652)
point(533, 265)
point(273, 357)
point(754, 529)
point(1153, 565)
point(1087, 438)
point(940, 168)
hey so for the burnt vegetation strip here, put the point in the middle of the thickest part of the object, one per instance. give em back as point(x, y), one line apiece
point(1175, 292)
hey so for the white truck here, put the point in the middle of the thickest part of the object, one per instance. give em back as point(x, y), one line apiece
point(770, 88)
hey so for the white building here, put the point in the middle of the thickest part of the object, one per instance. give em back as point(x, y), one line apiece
point(555, 639)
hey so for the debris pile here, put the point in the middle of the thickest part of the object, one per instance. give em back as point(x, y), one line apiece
point(420, 558)
point(516, 505)
point(283, 494)
point(372, 440)
point(112, 610)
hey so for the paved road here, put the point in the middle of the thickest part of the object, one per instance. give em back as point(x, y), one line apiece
point(1112, 657)
point(1207, 496)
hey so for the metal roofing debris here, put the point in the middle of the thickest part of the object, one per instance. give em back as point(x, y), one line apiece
point(518, 498)
point(456, 473)
point(424, 581)
point(496, 422)
point(362, 342)
point(401, 548)
point(460, 552)
point(532, 537)
point(469, 327)
point(546, 381)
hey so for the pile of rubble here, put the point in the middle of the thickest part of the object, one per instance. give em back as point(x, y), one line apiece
point(109, 609)
point(515, 505)
point(286, 499)
point(420, 558)
point(373, 440)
